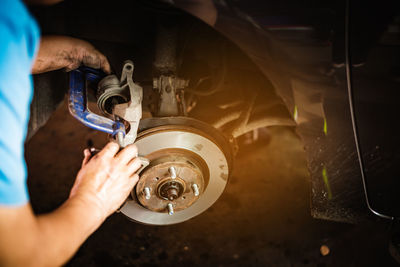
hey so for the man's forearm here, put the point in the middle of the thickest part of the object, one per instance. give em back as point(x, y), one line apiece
point(46, 240)
point(64, 230)
point(54, 53)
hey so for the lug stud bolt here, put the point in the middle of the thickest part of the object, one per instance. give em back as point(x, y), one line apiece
point(195, 189)
point(170, 209)
point(147, 193)
point(172, 172)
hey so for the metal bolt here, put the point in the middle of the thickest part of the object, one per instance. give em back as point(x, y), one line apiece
point(172, 193)
point(147, 193)
point(195, 189)
point(172, 172)
point(170, 209)
point(120, 138)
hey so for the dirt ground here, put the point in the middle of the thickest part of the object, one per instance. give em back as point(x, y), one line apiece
point(262, 219)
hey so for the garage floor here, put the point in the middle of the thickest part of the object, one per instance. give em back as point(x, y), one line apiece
point(262, 219)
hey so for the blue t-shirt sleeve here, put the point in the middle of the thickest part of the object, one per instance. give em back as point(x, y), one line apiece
point(19, 40)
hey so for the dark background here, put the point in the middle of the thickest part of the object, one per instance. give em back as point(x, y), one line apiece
point(262, 219)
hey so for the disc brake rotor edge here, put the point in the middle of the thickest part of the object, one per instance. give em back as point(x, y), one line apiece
point(191, 124)
point(179, 133)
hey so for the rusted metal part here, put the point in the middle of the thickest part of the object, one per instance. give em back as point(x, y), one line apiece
point(190, 169)
point(169, 88)
point(171, 189)
point(164, 189)
point(165, 82)
point(201, 173)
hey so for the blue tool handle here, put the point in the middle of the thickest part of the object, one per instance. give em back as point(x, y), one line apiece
point(77, 102)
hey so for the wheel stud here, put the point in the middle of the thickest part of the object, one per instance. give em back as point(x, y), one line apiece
point(172, 172)
point(147, 193)
point(195, 189)
point(170, 209)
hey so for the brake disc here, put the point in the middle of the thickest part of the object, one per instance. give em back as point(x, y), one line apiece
point(189, 168)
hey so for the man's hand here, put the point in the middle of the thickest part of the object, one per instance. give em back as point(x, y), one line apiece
point(101, 186)
point(105, 180)
point(63, 52)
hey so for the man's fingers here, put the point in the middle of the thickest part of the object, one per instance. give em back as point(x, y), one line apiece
point(95, 59)
point(105, 66)
point(126, 155)
point(134, 165)
point(109, 150)
point(86, 154)
point(134, 179)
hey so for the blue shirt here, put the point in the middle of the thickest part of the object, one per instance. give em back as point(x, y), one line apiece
point(19, 40)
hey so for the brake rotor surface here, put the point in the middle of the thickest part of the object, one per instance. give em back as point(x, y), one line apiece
point(188, 171)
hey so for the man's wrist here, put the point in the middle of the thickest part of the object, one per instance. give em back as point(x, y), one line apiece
point(87, 208)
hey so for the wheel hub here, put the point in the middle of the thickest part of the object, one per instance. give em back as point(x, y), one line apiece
point(176, 178)
point(188, 171)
